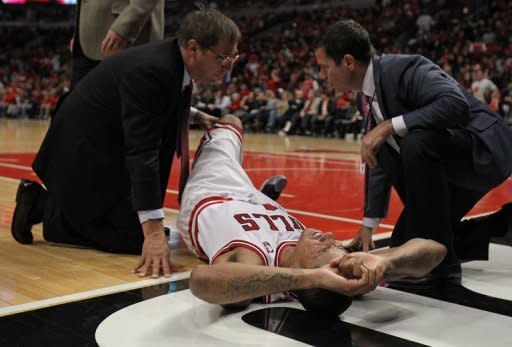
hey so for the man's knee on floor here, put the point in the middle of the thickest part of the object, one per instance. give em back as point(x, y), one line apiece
point(231, 119)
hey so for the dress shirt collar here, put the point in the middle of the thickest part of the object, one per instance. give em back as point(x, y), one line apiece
point(368, 87)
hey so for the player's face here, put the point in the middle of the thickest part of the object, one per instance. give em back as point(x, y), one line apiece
point(312, 248)
point(337, 76)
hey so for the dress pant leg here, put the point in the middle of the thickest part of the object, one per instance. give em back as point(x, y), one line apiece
point(58, 228)
point(390, 161)
point(118, 231)
point(471, 237)
point(425, 175)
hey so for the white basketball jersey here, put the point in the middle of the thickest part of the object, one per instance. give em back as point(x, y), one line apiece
point(221, 209)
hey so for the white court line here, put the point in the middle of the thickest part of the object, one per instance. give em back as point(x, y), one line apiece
point(59, 300)
point(311, 159)
point(9, 160)
point(14, 166)
point(309, 169)
point(336, 218)
point(331, 217)
point(175, 192)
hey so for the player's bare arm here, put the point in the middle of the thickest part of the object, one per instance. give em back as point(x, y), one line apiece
point(415, 258)
point(226, 283)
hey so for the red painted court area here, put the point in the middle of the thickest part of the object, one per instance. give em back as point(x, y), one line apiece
point(325, 194)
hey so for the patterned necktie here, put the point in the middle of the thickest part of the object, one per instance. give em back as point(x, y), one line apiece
point(182, 150)
point(363, 106)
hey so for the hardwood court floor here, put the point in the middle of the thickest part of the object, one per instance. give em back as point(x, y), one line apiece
point(324, 191)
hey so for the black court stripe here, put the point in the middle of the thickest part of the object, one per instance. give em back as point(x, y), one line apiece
point(315, 330)
point(73, 324)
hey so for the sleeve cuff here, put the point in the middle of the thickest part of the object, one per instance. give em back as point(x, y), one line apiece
point(193, 112)
point(371, 222)
point(144, 216)
point(399, 125)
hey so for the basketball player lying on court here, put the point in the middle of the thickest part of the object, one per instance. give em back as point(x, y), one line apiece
point(255, 248)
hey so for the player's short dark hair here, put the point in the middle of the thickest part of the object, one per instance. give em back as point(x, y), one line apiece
point(207, 26)
point(323, 302)
point(347, 37)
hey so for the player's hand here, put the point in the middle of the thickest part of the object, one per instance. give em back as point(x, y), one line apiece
point(331, 278)
point(372, 141)
point(113, 43)
point(155, 256)
point(205, 120)
point(311, 245)
point(350, 264)
point(362, 241)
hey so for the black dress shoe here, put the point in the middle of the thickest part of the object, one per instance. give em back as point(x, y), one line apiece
point(442, 276)
point(26, 212)
point(274, 186)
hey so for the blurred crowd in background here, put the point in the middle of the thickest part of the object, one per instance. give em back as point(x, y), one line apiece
point(275, 86)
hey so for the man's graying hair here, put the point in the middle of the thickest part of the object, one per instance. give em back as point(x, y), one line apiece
point(207, 26)
point(347, 37)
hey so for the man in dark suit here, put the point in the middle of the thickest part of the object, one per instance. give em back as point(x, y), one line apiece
point(106, 158)
point(439, 147)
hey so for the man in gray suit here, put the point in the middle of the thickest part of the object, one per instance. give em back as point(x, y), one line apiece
point(106, 27)
point(439, 147)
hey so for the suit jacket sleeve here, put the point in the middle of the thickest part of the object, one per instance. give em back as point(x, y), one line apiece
point(436, 98)
point(143, 119)
point(132, 17)
point(377, 193)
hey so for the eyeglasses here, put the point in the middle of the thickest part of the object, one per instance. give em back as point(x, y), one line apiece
point(224, 59)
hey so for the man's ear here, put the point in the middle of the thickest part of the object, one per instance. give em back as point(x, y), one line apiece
point(192, 45)
point(349, 62)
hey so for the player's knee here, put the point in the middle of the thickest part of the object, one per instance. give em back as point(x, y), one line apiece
point(231, 119)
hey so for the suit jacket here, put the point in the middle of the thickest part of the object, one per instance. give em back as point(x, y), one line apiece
point(418, 89)
point(115, 134)
point(138, 21)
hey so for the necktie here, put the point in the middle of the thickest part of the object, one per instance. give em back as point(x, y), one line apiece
point(182, 143)
point(363, 105)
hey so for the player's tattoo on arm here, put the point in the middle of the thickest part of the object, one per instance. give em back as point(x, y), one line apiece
point(262, 283)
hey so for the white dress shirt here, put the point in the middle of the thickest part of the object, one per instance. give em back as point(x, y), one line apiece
point(398, 123)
